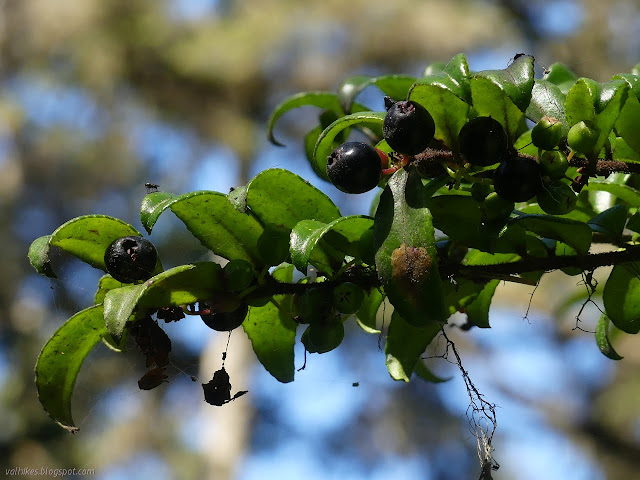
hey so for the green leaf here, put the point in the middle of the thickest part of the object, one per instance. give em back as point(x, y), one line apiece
point(89, 236)
point(305, 248)
point(406, 255)
point(219, 226)
point(460, 293)
point(180, 285)
point(405, 344)
point(547, 100)
point(602, 339)
point(326, 100)
point(334, 240)
point(458, 71)
point(560, 75)
point(600, 103)
point(368, 313)
point(105, 284)
point(489, 100)
point(273, 332)
point(478, 310)
point(628, 121)
point(238, 198)
point(324, 145)
point(459, 217)
point(441, 99)
point(280, 199)
point(622, 152)
point(395, 86)
point(610, 222)
point(571, 232)
point(621, 297)
point(39, 256)
point(627, 194)
point(634, 223)
point(152, 206)
point(516, 81)
point(60, 361)
point(427, 375)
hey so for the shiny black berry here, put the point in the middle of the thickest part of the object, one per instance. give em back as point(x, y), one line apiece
point(131, 259)
point(518, 179)
point(408, 127)
point(354, 167)
point(482, 141)
point(226, 321)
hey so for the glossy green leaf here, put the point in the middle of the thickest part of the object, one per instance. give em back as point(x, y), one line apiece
point(516, 80)
point(306, 247)
point(427, 375)
point(621, 297)
point(406, 255)
point(60, 361)
point(180, 285)
point(603, 341)
point(89, 236)
point(152, 206)
point(39, 256)
point(560, 75)
point(328, 243)
point(219, 226)
point(627, 194)
point(600, 103)
point(405, 344)
point(281, 199)
point(628, 121)
point(324, 145)
point(489, 100)
point(273, 332)
point(547, 100)
point(441, 99)
point(310, 140)
point(368, 313)
point(395, 86)
point(571, 232)
point(610, 222)
point(105, 284)
point(478, 310)
point(326, 100)
point(622, 152)
point(458, 71)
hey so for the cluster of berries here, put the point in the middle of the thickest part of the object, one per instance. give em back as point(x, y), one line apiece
point(356, 167)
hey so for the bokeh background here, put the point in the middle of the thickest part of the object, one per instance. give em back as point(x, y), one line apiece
point(98, 97)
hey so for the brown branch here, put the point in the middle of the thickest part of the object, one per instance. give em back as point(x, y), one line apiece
point(586, 262)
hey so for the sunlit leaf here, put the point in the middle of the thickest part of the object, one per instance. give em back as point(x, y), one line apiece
point(621, 297)
point(60, 360)
point(39, 256)
point(152, 206)
point(603, 341)
point(368, 312)
point(395, 86)
point(478, 310)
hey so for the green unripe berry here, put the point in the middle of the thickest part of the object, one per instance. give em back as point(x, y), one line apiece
point(314, 304)
point(554, 164)
point(546, 134)
point(347, 298)
point(582, 137)
point(557, 198)
point(322, 337)
point(495, 207)
point(238, 275)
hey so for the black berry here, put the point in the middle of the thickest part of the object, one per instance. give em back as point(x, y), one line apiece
point(131, 259)
point(354, 167)
point(518, 179)
point(482, 141)
point(408, 127)
point(226, 321)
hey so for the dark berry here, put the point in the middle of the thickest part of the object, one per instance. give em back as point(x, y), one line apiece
point(518, 179)
point(354, 167)
point(130, 259)
point(408, 127)
point(226, 321)
point(482, 141)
